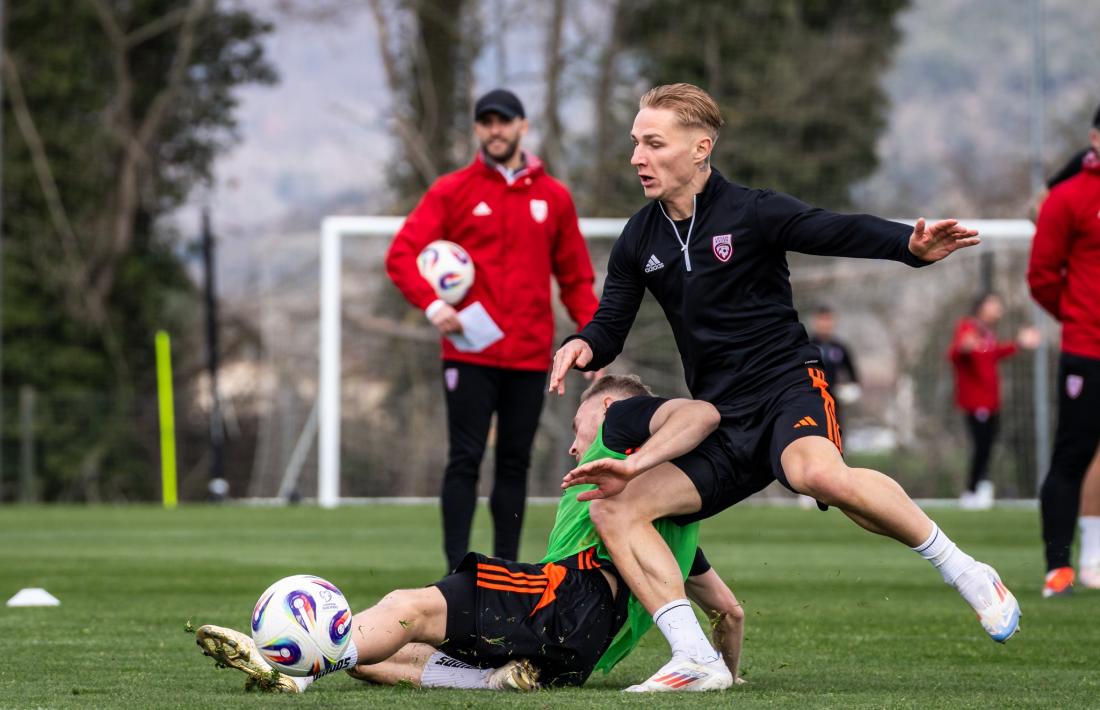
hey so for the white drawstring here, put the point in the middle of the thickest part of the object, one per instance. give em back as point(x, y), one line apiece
point(683, 242)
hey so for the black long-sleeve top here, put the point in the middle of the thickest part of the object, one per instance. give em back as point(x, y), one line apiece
point(727, 295)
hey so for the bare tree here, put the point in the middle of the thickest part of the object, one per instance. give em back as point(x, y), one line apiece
point(551, 127)
point(604, 154)
point(427, 48)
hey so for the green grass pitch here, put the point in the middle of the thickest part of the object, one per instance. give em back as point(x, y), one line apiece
point(836, 617)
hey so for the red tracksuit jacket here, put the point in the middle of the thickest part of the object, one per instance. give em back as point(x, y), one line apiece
point(517, 235)
point(977, 381)
point(1064, 271)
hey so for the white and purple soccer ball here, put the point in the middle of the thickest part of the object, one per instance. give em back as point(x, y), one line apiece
point(302, 625)
point(448, 268)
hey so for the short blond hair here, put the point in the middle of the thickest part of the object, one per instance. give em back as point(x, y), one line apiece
point(628, 385)
point(694, 107)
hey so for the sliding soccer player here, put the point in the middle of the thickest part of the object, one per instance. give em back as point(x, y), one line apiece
point(566, 616)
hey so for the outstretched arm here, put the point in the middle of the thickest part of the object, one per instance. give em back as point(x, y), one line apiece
point(677, 427)
point(793, 225)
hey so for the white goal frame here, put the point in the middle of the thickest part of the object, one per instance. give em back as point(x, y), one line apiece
point(335, 229)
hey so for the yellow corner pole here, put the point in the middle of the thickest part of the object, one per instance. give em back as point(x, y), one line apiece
point(167, 419)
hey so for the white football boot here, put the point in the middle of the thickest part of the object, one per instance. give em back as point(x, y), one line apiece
point(996, 607)
point(682, 674)
point(515, 675)
point(232, 649)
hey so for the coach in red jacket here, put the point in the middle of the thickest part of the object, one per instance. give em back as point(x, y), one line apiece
point(975, 354)
point(519, 226)
point(1064, 276)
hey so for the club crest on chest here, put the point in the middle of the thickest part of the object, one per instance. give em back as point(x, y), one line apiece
point(722, 244)
point(539, 210)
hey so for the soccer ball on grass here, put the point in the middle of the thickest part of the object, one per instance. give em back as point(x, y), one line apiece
point(302, 626)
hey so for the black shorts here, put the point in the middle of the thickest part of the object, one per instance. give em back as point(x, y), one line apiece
point(559, 617)
point(743, 455)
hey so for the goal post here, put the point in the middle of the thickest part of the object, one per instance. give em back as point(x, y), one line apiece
point(333, 232)
point(998, 233)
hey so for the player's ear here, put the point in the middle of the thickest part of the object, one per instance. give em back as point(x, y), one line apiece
point(608, 400)
point(704, 145)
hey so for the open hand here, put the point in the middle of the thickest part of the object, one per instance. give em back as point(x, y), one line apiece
point(1029, 337)
point(934, 242)
point(610, 477)
point(575, 352)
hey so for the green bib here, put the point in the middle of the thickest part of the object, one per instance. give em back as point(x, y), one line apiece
point(574, 532)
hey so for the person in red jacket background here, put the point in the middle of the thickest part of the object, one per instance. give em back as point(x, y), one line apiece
point(975, 354)
point(520, 227)
point(1064, 278)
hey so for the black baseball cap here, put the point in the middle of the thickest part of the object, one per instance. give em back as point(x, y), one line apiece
point(499, 101)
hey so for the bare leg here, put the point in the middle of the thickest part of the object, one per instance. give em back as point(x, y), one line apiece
point(647, 565)
point(625, 524)
point(876, 502)
point(404, 666)
point(402, 617)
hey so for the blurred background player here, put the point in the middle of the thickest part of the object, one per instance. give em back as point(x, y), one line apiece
point(975, 354)
point(836, 358)
point(520, 227)
point(566, 616)
point(1064, 278)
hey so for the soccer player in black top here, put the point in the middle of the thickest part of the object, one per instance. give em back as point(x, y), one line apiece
point(713, 255)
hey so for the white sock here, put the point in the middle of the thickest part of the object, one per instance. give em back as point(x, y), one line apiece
point(442, 671)
point(677, 622)
point(345, 663)
point(1090, 540)
point(944, 555)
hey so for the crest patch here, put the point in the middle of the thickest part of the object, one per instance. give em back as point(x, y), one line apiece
point(539, 210)
point(722, 245)
point(1075, 384)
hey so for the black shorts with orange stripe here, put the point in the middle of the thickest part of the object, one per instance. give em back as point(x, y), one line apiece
point(744, 455)
point(807, 408)
point(561, 616)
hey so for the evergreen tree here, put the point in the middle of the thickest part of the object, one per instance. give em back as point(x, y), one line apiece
point(797, 80)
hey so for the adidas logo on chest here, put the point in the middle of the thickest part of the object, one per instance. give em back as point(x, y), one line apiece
point(653, 264)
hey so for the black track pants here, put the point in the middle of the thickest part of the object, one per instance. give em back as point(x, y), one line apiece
point(473, 393)
point(1075, 444)
point(983, 430)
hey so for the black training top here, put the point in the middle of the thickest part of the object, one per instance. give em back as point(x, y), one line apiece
point(727, 294)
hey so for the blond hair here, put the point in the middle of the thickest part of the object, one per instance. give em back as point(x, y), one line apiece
point(694, 107)
point(629, 385)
